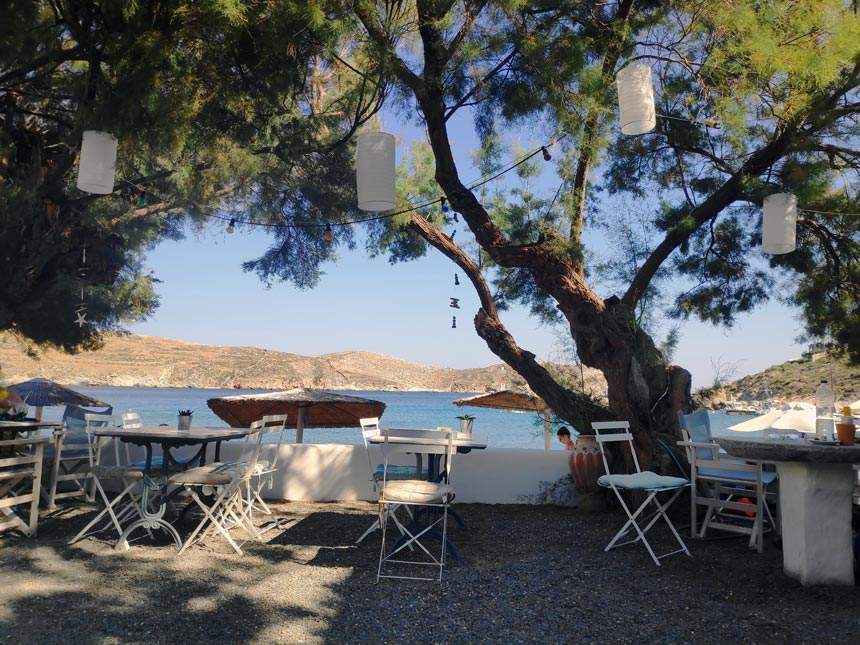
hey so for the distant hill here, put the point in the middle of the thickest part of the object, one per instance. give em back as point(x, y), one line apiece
point(792, 381)
point(145, 361)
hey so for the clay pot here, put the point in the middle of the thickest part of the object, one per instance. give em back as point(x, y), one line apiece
point(586, 464)
point(845, 433)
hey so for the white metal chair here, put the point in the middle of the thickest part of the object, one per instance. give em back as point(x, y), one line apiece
point(370, 428)
point(123, 506)
point(228, 507)
point(70, 458)
point(265, 470)
point(20, 479)
point(642, 481)
point(427, 495)
point(733, 492)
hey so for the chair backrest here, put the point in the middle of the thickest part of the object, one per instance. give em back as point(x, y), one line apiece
point(696, 427)
point(251, 450)
point(94, 422)
point(613, 431)
point(369, 428)
point(132, 420)
point(74, 417)
point(275, 423)
point(447, 448)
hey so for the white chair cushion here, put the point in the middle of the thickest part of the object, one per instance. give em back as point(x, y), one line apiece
point(416, 491)
point(212, 475)
point(646, 480)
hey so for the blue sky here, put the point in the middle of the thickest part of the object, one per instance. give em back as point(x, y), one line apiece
point(364, 304)
point(402, 311)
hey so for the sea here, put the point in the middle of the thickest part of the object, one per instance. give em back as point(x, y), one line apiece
point(402, 410)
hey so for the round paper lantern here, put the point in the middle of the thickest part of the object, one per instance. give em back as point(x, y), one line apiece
point(636, 99)
point(374, 171)
point(779, 223)
point(98, 158)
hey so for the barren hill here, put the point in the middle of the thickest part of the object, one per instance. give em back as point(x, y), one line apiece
point(129, 360)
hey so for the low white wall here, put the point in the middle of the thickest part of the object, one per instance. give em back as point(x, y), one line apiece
point(330, 472)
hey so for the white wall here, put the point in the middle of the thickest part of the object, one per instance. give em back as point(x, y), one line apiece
point(331, 472)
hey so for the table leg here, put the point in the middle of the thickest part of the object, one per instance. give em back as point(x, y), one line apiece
point(149, 520)
point(815, 502)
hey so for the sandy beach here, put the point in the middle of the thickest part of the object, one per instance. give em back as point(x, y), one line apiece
point(528, 574)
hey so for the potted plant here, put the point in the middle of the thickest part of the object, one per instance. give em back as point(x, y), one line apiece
point(466, 423)
point(184, 420)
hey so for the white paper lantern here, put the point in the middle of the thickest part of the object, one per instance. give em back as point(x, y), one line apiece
point(98, 159)
point(374, 171)
point(779, 224)
point(636, 99)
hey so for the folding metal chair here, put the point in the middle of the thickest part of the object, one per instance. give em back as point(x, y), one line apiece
point(647, 482)
point(265, 470)
point(433, 498)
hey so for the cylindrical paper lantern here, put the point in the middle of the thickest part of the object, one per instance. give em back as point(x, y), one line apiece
point(779, 223)
point(636, 99)
point(98, 158)
point(374, 171)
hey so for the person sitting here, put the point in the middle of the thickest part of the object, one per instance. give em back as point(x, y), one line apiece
point(564, 436)
point(10, 403)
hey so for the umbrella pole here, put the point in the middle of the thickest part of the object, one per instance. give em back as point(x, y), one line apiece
point(39, 412)
point(300, 424)
point(547, 434)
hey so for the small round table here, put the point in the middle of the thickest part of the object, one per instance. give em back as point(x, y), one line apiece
point(816, 485)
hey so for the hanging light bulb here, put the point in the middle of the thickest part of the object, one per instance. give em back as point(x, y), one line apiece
point(328, 235)
point(141, 199)
point(455, 218)
point(231, 226)
point(445, 208)
point(454, 323)
point(636, 99)
point(779, 224)
point(374, 171)
point(456, 280)
point(546, 155)
point(98, 159)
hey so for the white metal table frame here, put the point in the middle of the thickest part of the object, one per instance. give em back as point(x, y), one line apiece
point(168, 439)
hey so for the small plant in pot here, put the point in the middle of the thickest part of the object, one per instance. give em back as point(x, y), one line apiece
point(184, 420)
point(466, 423)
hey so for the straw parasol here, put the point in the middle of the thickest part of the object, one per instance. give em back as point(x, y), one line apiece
point(798, 420)
point(514, 400)
point(40, 392)
point(305, 409)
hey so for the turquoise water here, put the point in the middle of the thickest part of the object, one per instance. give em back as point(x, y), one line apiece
point(402, 409)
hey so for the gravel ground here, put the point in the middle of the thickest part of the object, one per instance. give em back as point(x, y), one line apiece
point(527, 574)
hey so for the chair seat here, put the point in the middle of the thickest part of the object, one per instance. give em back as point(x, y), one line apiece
point(398, 472)
point(211, 475)
point(767, 477)
point(645, 480)
point(418, 491)
point(117, 472)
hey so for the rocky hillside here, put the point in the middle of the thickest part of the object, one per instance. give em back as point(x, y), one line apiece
point(128, 360)
point(792, 381)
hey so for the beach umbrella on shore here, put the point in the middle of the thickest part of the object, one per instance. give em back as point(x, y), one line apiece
point(304, 409)
point(792, 420)
point(40, 392)
point(515, 401)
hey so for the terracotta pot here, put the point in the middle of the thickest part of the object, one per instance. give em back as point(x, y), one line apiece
point(586, 464)
point(845, 433)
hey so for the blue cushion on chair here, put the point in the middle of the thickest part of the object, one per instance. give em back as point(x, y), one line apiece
point(399, 472)
point(646, 480)
point(721, 473)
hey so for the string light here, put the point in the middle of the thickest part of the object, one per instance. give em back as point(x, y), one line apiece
point(456, 280)
point(328, 235)
point(141, 200)
point(445, 207)
point(231, 226)
point(454, 323)
point(546, 155)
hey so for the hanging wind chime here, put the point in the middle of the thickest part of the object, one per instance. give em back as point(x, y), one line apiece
point(81, 306)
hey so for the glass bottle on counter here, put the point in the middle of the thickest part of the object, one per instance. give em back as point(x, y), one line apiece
point(824, 400)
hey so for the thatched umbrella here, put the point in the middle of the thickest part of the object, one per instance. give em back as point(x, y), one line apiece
point(305, 409)
point(515, 400)
point(40, 392)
